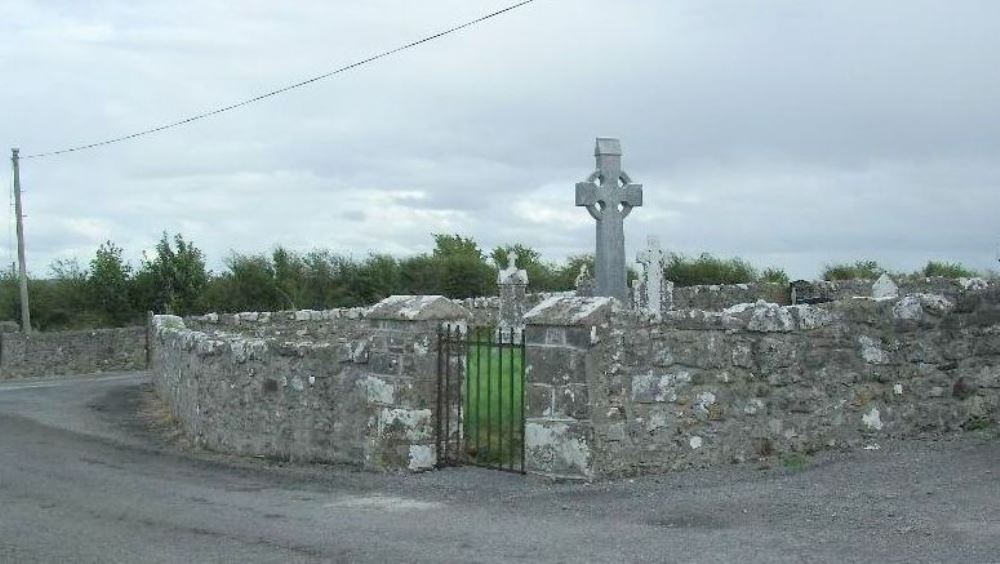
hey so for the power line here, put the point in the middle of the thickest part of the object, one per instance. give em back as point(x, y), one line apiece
point(286, 88)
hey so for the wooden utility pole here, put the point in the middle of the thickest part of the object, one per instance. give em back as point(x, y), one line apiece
point(21, 263)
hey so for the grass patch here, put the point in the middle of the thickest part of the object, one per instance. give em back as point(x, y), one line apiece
point(862, 269)
point(493, 406)
point(158, 417)
point(948, 270)
point(794, 461)
point(708, 269)
point(981, 423)
point(774, 275)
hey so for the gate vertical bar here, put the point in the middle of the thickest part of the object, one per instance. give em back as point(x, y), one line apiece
point(437, 424)
point(464, 400)
point(463, 390)
point(498, 337)
point(524, 370)
point(510, 434)
point(447, 400)
point(479, 387)
point(489, 396)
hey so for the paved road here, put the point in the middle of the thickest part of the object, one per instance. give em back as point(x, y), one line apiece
point(84, 479)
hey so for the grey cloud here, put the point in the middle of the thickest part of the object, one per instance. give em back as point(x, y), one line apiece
point(790, 133)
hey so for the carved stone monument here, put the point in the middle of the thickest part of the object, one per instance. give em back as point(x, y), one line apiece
point(512, 284)
point(584, 282)
point(655, 294)
point(884, 287)
point(609, 196)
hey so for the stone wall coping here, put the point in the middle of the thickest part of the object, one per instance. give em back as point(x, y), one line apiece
point(419, 308)
point(569, 311)
point(289, 315)
point(71, 332)
point(172, 328)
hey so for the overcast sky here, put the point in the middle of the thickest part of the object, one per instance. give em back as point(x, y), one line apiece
point(792, 133)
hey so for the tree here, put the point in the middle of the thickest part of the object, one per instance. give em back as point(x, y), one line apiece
point(420, 275)
point(249, 284)
point(455, 245)
point(173, 279)
point(462, 268)
point(289, 277)
point(375, 279)
point(61, 301)
point(542, 276)
point(109, 285)
point(566, 275)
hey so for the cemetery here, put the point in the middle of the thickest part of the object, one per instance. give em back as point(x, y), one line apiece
point(612, 380)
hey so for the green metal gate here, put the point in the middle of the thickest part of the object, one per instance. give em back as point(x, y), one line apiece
point(480, 389)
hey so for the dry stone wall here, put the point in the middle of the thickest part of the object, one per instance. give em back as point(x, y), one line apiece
point(323, 386)
point(609, 391)
point(720, 297)
point(757, 380)
point(72, 352)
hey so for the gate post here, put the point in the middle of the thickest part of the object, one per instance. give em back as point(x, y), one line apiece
point(563, 378)
point(402, 380)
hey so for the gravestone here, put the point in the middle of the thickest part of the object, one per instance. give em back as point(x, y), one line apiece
point(884, 287)
point(584, 282)
point(512, 284)
point(638, 294)
point(609, 196)
point(657, 294)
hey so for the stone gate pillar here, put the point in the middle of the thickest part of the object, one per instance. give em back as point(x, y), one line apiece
point(401, 380)
point(562, 388)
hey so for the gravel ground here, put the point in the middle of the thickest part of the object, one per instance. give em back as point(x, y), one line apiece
point(90, 472)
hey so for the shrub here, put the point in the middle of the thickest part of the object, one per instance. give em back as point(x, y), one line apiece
point(774, 275)
point(867, 269)
point(948, 270)
point(708, 269)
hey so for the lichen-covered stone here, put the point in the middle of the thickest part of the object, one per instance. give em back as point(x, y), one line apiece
point(418, 308)
point(558, 448)
point(312, 390)
point(569, 311)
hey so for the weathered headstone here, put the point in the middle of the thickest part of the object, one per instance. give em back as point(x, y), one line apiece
point(584, 282)
point(512, 284)
point(638, 295)
point(655, 292)
point(609, 196)
point(884, 287)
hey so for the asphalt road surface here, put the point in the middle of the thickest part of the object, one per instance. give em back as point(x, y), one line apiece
point(84, 477)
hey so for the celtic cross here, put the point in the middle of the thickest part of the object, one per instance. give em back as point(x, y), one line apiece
point(609, 196)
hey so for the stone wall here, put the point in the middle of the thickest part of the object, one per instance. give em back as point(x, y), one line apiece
point(324, 386)
point(720, 297)
point(824, 291)
point(72, 352)
point(562, 374)
point(486, 310)
point(612, 393)
point(302, 325)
